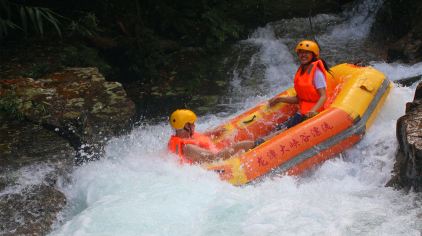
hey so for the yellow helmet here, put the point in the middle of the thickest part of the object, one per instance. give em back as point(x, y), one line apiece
point(308, 45)
point(180, 117)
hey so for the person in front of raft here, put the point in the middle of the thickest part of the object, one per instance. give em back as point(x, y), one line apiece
point(310, 84)
point(193, 147)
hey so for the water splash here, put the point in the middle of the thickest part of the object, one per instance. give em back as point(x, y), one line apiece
point(25, 177)
point(141, 190)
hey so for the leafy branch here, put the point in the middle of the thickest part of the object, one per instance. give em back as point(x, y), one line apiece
point(17, 16)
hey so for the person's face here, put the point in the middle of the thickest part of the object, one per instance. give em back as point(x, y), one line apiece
point(305, 57)
point(189, 128)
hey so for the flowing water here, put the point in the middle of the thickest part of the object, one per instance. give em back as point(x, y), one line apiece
point(139, 189)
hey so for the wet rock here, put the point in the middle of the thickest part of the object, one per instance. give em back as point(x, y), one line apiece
point(24, 143)
point(44, 157)
point(408, 167)
point(399, 29)
point(31, 212)
point(409, 80)
point(77, 103)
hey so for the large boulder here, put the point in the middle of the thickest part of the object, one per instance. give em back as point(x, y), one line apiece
point(408, 167)
point(399, 29)
point(43, 123)
point(77, 103)
point(32, 159)
point(31, 212)
point(26, 144)
point(23, 143)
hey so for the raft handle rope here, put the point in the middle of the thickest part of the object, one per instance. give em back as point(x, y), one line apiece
point(249, 121)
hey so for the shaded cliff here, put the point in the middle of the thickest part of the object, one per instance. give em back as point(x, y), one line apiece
point(408, 167)
point(398, 29)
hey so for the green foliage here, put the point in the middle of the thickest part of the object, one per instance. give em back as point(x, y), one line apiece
point(31, 18)
point(221, 28)
point(145, 36)
point(5, 26)
point(86, 25)
point(39, 69)
point(197, 23)
point(82, 56)
point(10, 105)
point(40, 108)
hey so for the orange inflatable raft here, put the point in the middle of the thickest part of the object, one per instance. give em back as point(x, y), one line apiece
point(359, 94)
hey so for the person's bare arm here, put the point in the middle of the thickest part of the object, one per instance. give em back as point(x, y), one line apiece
point(197, 154)
point(200, 155)
point(289, 99)
point(235, 148)
point(215, 132)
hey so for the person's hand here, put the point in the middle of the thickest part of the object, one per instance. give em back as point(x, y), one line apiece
point(273, 101)
point(218, 131)
point(311, 114)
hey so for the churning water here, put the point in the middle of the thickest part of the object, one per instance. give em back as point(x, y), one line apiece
point(139, 189)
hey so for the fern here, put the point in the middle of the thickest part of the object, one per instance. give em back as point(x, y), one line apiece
point(5, 25)
point(37, 17)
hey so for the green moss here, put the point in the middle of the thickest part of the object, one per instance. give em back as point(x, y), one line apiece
point(76, 102)
point(41, 109)
point(71, 115)
point(10, 104)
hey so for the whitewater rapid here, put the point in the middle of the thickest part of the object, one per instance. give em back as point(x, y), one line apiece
point(139, 189)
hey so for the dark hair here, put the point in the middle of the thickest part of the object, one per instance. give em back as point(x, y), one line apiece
point(314, 58)
point(326, 66)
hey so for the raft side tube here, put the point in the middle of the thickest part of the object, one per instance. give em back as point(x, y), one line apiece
point(287, 145)
point(256, 122)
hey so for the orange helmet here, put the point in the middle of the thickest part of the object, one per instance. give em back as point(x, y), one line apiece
point(308, 45)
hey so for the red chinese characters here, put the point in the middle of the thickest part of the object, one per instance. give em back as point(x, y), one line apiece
point(325, 127)
point(305, 138)
point(271, 154)
point(294, 143)
point(261, 161)
point(283, 149)
point(315, 132)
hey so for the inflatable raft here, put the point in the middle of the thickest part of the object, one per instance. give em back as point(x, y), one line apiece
point(358, 95)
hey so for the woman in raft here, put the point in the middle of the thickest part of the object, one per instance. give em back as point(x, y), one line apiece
point(310, 83)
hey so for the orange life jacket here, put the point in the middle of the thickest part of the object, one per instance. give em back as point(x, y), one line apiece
point(176, 144)
point(305, 90)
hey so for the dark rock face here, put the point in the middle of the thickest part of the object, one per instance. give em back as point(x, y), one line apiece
point(24, 143)
point(43, 123)
point(78, 104)
point(31, 212)
point(408, 166)
point(257, 13)
point(399, 27)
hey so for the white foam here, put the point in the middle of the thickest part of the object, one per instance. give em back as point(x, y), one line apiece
point(141, 190)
